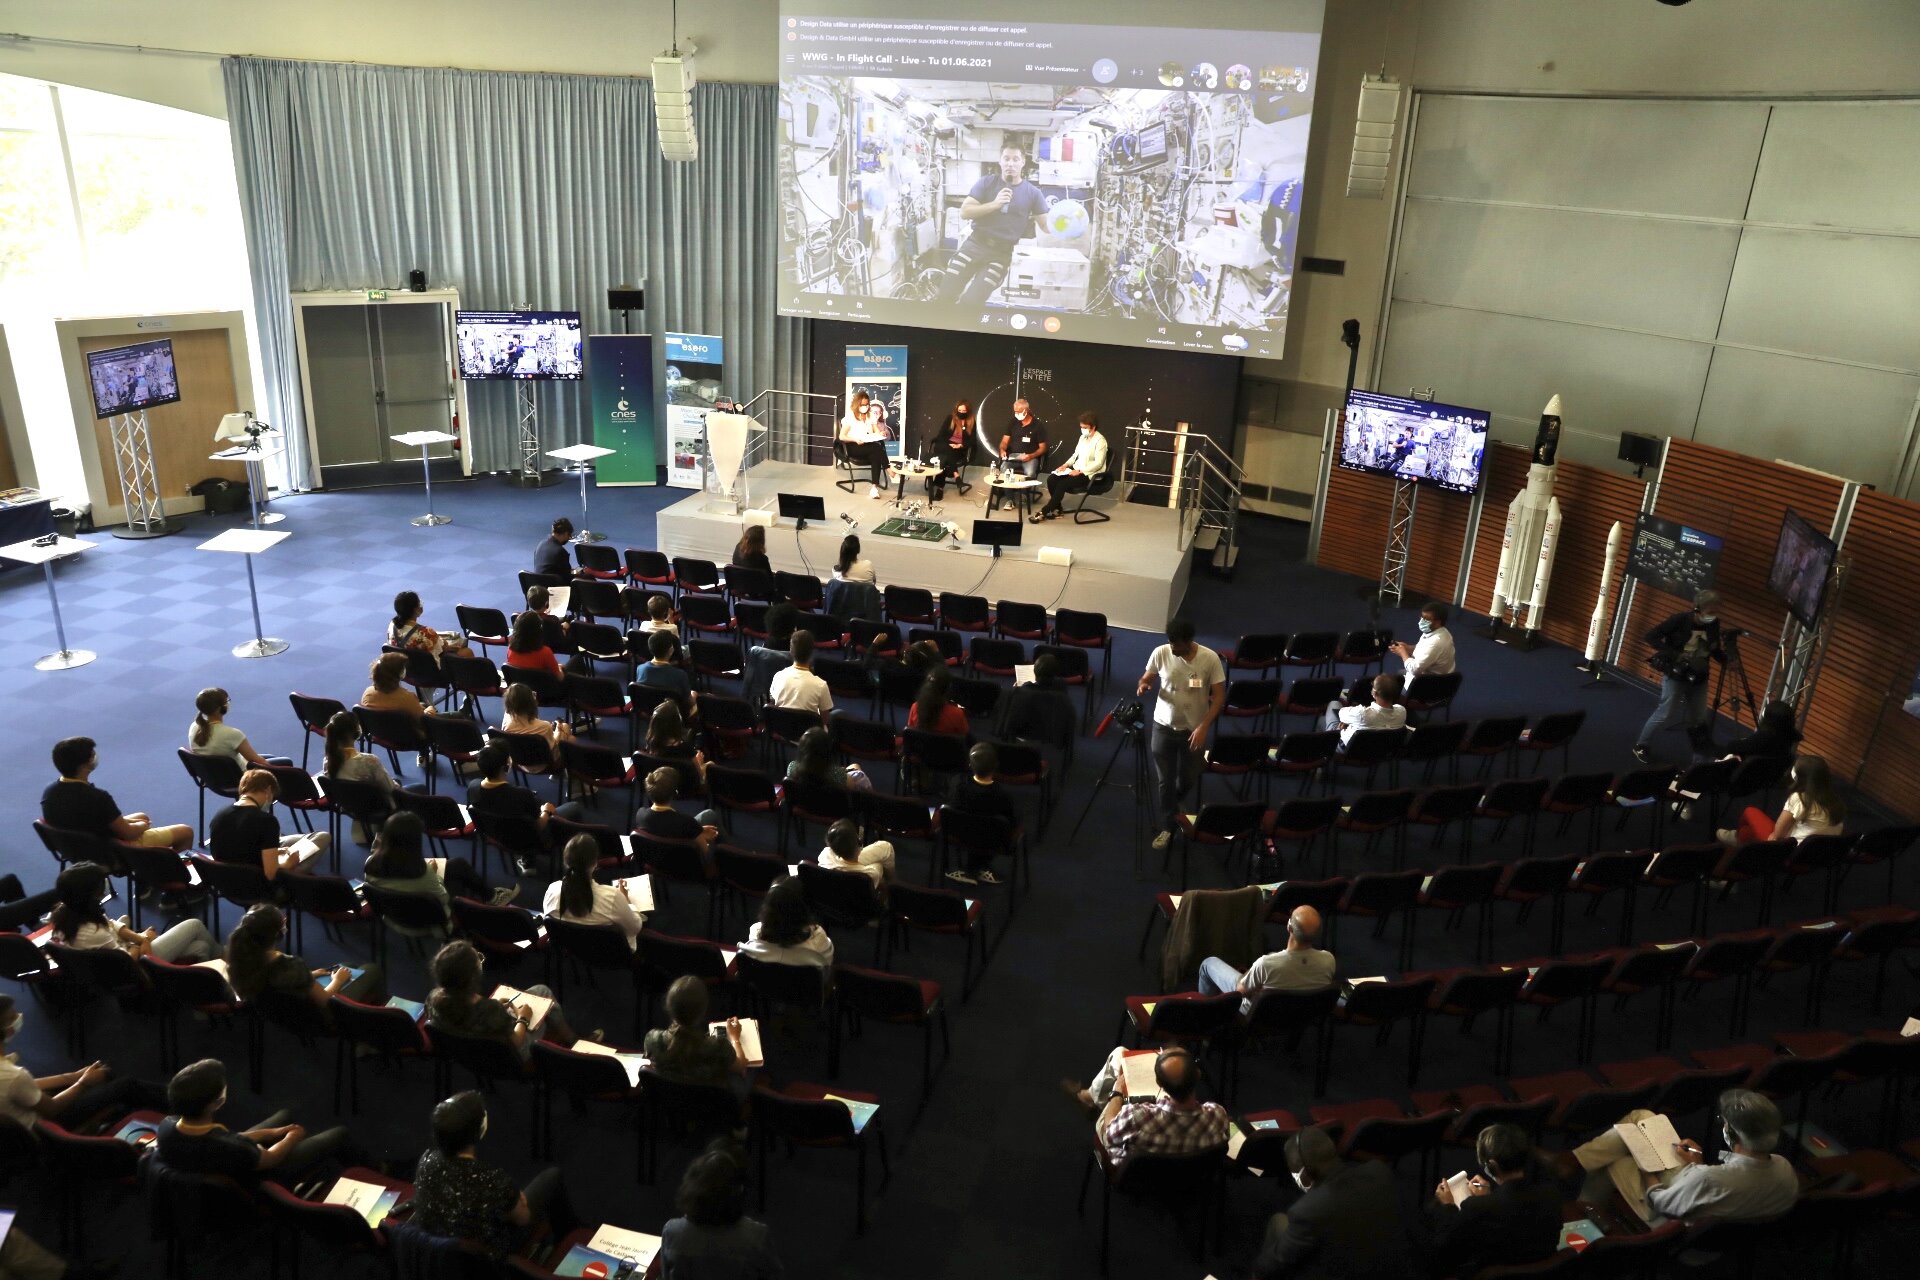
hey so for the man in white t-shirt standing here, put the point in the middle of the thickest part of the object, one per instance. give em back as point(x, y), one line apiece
point(797, 686)
point(1193, 689)
point(1433, 655)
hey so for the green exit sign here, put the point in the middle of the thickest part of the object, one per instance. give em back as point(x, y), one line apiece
point(376, 295)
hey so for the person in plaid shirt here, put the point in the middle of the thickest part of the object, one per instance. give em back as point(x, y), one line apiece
point(1175, 1124)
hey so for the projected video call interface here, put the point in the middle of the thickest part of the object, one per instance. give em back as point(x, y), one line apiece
point(518, 344)
point(1127, 185)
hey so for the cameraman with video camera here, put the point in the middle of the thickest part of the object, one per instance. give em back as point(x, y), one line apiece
point(1193, 689)
point(1685, 647)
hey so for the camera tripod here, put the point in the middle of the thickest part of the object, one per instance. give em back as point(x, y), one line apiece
point(1731, 643)
point(1134, 736)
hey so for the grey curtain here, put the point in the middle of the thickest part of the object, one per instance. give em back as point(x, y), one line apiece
point(515, 189)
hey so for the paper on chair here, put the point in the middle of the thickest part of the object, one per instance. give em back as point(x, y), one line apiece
point(622, 1243)
point(558, 599)
point(749, 1039)
point(367, 1199)
point(216, 964)
point(1236, 1139)
point(1137, 1066)
point(633, 1062)
point(1911, 1027)
point(1651, 1142)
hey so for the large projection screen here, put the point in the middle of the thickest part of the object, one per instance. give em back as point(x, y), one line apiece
point(1120, 184)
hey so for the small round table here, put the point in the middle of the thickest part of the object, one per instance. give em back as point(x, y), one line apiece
point(909, 469)
point(1014, 487)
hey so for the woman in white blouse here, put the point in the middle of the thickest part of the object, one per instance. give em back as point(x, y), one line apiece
point(211, 735)
point(864, 441)
point(79, 921)
point(1813, 807)
point(786, 932)
point(577, 897)
point(850, 567)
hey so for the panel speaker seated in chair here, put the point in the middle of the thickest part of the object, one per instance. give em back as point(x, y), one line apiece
point(1084, 473)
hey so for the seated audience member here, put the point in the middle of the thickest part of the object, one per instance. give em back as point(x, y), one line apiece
point(846, 852)
point(1775, 734)
point(1749, 1182)
point(765, 661)
point(659, 671)
point(577, 897)
point(406, 631)
point(459, 1005)
point(1041, 711)
point(981, 793)
point(386, 693)
point(1511, 1214)
point(550, 557)
point(660, 615)
point(70, 1098)
point(1384, 712)
point(662, 821)
point(493, 795)
point(933, 711)
point(786, 932)
point(813, 765)
point(797, 686)
point(1175, 1124)
point(520, 713)
point(256, 965)
point(1813, 807)
point(346, 760)
point(75, 804)
point(399, 864)
point(1299, 967)
point(713, 1239)
point(246, 832)
point(669, 738)
point(689, 1049)
point(80, 921)
point(527, 648)
point(1433, 655)
point(211, 735)
point(1348, 1223)
point(751, 551)
point(850, 567)
point(459, 1195)
point(192, 1141)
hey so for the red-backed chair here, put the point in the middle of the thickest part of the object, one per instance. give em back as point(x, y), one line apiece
point(1286, 1017)
point(648, 568)
point(908, 606)
point(1375, 814)
point(1454, 889)
point(1512, 800)
point(1809, 946)
point(805, 1115)
point(1260, 652)
point(1470, 993)
point(482, 626)
point(1020, 620)
point(1883, 846)
point(584, 1079)
point(663, 958)
point(1730, 957)
point(332, 1230)
point(1232, 827)
point(1578, 793)
point(898, 1001)
point(385, 1033)
point(1824, 856)
point(505, 935)
point(1655, 968)
point(1381, 895)
point(1379, 1004)
point(1683, 866)
point(917, 908)
point(1314, 650)
point(1872, 937)
point(1188, 1185)
point(1554, 731)
point(1491, 738)
point(1604, 874)
point(218, 774)
point(1363, 649)
point(1301, 822)
point(1562, 982)
point(1084, 630)
point(1255, 700)
point(1443, 807)
point(1309, 696)
point(741, 791)
point(313, 714)
point(1680, 1091)
point(1305, 755)
point(189, 987)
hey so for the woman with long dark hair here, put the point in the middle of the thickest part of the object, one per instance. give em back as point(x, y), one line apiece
point(751, 551)
point(849, 567)
point(256, 965)
point(211, 735)
point(713, 1235)
point(459, 1004)
point(406, 631)
point(786, 932)
point(1813, 807)
point(399, 864)
point(814, 765)
point(527, 647)
point(953, 443)
point(931, 709)
point(578, 897)
point(344, 759)
point(864, 441)
point(80, 921)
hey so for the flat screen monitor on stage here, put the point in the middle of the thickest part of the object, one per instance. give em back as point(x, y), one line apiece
point(1442, 445)
point(1136, 185)
point(522, 345)
point(1802, 567)
point(802, 506)
point(996, 533)
point(129, 379)
point(1672, 557)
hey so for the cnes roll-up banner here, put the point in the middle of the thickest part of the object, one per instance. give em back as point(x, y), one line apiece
point(620, 389)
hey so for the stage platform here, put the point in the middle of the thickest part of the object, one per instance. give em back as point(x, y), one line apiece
point(1130, 568)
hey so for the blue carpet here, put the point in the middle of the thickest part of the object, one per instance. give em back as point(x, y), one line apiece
point(984, 1181)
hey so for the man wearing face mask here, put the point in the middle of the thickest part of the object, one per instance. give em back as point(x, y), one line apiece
point(1685, 647)
point(1347, 1224)
point(1749, 1181)
point(1510, 1215)
point(1433, 655)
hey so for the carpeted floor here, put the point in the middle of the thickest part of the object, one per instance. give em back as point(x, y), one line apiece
point(984, 1180)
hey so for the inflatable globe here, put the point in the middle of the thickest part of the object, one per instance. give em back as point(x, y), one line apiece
point(1066, 219)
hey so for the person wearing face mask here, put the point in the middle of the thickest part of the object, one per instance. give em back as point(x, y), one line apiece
point(1433, 655)
point(1347, 1222)
point(1193, 689)
point(950, 446)
point(1088, 463)
point(458, 1195)
point(1509, 1216)
point(1685, 647)
point(69, 1097)
point(1750, 1181)
point(192, 1141)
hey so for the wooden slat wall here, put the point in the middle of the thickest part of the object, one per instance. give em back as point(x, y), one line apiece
point(1742, 499)
point(1873, 649)
point(1591, 499)
point(1353, 533)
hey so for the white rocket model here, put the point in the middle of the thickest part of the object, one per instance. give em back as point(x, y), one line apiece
point(1597, 626)
point(1532, 538)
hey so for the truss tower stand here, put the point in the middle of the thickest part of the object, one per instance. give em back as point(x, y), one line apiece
point(139, 487)
point(526, 473)
point(1393, 562)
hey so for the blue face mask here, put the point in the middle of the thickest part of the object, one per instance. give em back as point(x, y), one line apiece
point(1426, 626)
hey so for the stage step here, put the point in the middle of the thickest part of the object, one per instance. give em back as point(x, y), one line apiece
point(1206, 538)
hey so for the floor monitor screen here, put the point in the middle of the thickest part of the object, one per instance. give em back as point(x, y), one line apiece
point(1120, 184)
point(996, 533)
point(802, 506)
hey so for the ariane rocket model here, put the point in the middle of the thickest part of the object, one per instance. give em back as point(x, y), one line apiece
point(1597, 628)
point(1532, 539)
